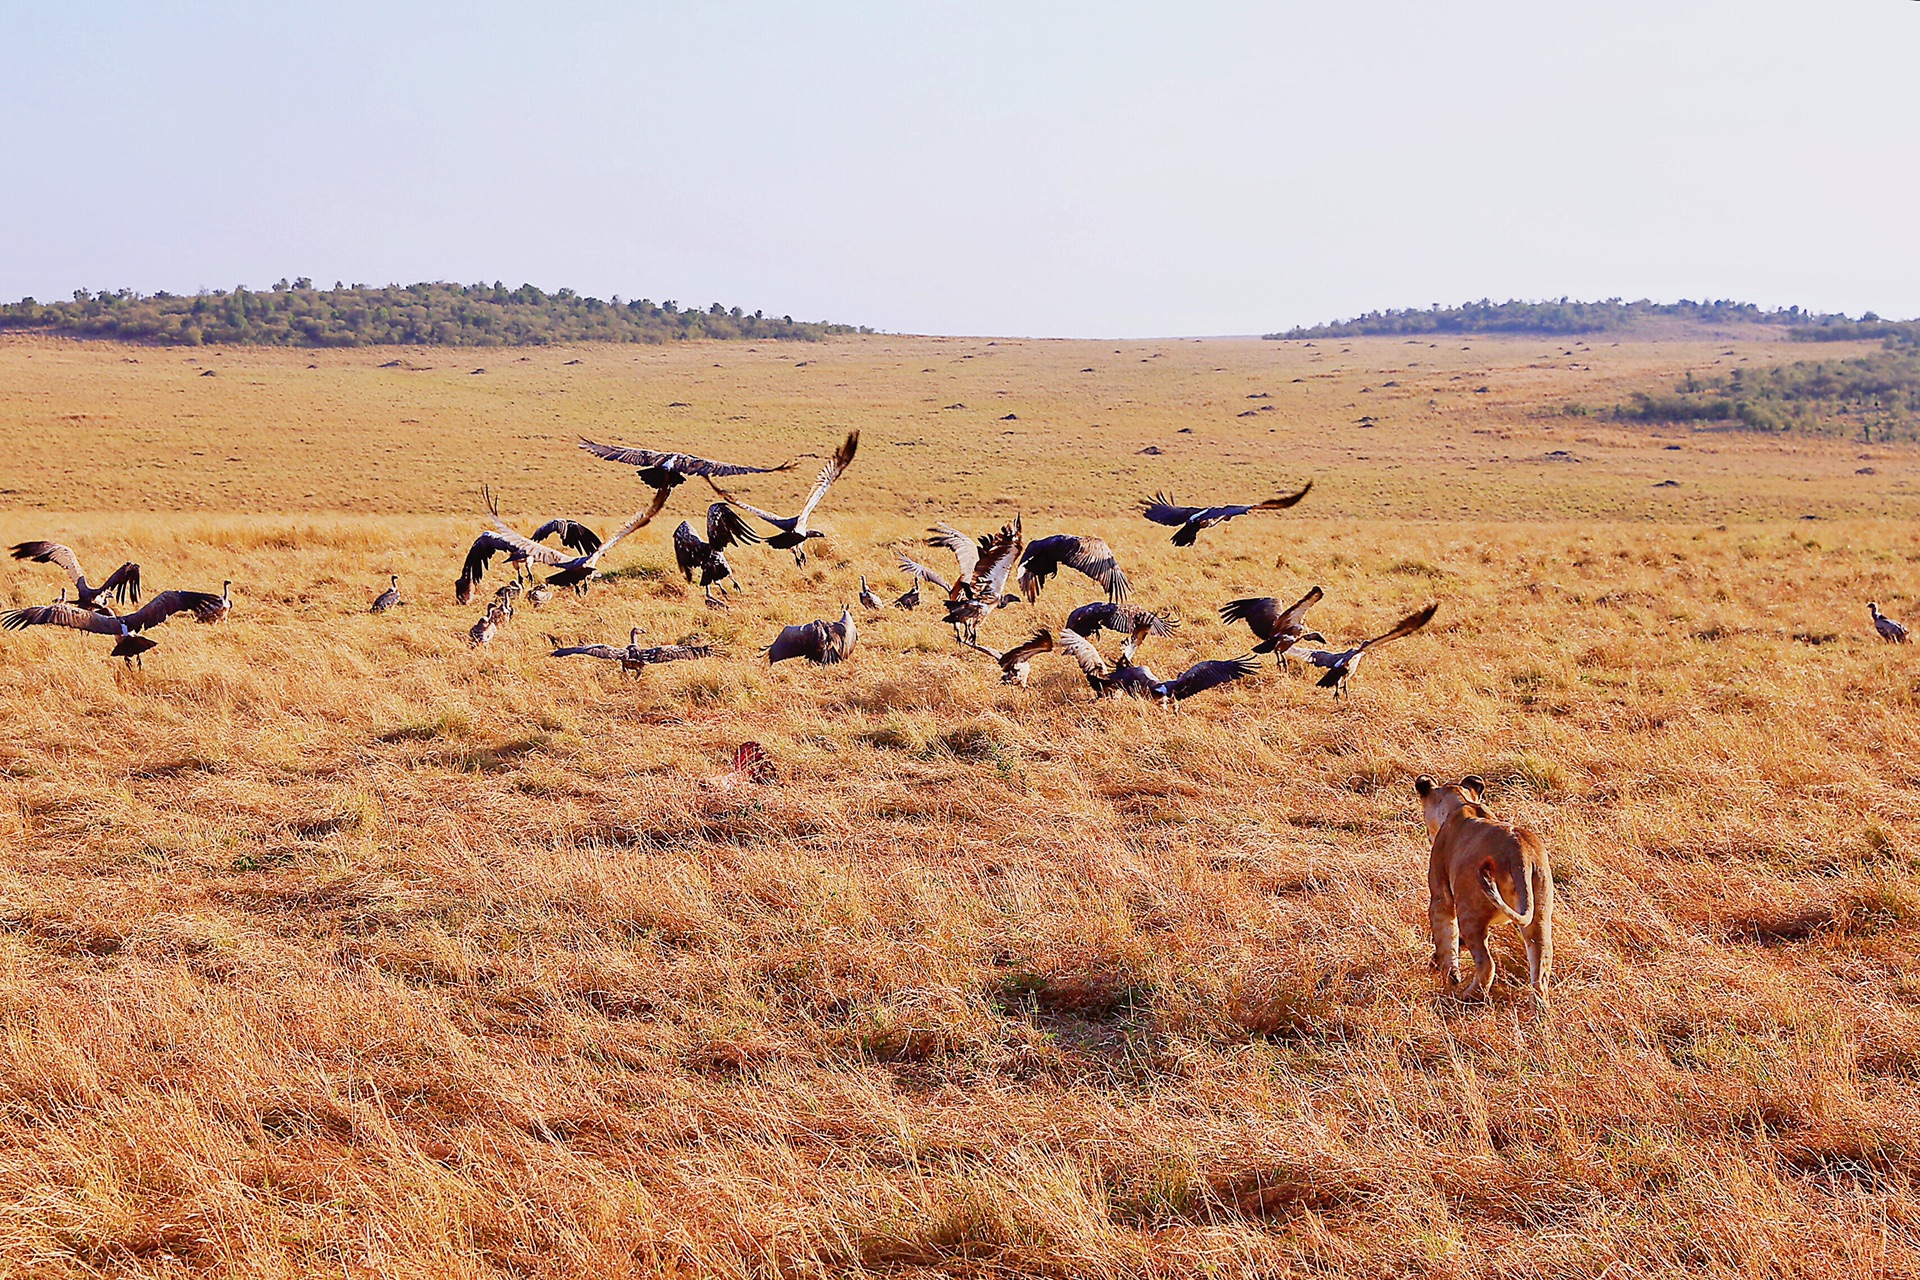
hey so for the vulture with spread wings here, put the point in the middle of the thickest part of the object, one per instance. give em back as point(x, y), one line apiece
point(1341, 665)
point(631, 657)
point(794, 533)
point(1090, 556)
point(1277, 629)
point(205, 606)
point(1189, 521)
point(123, 584)
point(671, 470)
point(820, 642)
point(574, 571)
point(1090, 619)
point(725, 528)
point(573, 535)
point(1125, 679)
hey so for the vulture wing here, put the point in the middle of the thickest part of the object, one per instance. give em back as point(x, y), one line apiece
point(803, 640)
point(688, 550)
point(1161, 509)
point(1406, 626)
point(1202, 676)
point(1081, 650)
point(725, 528)
point(50, 553)
point(842, 458)
point(674, 652)
point(1260, 613)
point(915, 569)
point(205, 606)
point(640, 520)
point(63, 615)
point(964, 549)
point(572, 534)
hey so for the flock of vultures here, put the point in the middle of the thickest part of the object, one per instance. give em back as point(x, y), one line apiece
point(1480, 871)
point(975, 592)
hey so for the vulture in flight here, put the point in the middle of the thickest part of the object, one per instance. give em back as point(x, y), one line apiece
point(794, 532)
point(631, 657)
point(1889, 630)
point(820, 642)
point(1017, 661)
point(574, 570)
point(1277, 629)
point(984, 568)
point(386, 599)
point(1089, 619)
point(709, 556)
point(1189, 521)
point(670, 470)
point(1128, 680)
point(125, 628)
point(1341, 665)
point(123, 584)
point(573, 535)
point(1090, 556)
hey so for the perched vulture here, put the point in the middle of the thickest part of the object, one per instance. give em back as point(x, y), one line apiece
point(387, 599)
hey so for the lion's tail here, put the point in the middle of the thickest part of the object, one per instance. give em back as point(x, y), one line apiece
point(1523, 891)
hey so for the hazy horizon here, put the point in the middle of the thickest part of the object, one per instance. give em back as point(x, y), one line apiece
point(1078, 171)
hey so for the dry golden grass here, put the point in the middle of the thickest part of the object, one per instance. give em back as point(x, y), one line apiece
point(330, 947)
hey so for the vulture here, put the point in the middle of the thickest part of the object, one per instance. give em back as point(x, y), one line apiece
point(483, 631)
point(1089, 619)
point(1017, 661)
point(794, 533)
point(128, 644)
point(538, 594)
point(1090, 556)
point(910, 598)
point(984, 568)
point(631, 657)
point(868, 600)
point(1889, 630)
point(123, 584)
point(573, 535)
point(820, 642)
point(387, 599)
point(690, 552)
point(1340, 665)
point(1277, 629)
point(1129, 680)
point(1189, 521)
point(670, 470)
point(575, 571)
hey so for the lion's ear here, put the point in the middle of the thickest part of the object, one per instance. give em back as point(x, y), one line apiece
point(1475, 783)
point(1424, 785)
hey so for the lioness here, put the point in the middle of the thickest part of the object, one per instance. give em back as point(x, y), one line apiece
point(1481, 870)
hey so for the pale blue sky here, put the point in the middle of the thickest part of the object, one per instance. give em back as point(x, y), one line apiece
point(1046, 169)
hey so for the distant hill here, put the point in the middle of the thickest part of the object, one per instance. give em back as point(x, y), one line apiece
point(298, 315)
point(1565, 317)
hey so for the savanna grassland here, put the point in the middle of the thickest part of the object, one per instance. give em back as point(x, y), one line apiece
point(329, 946)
